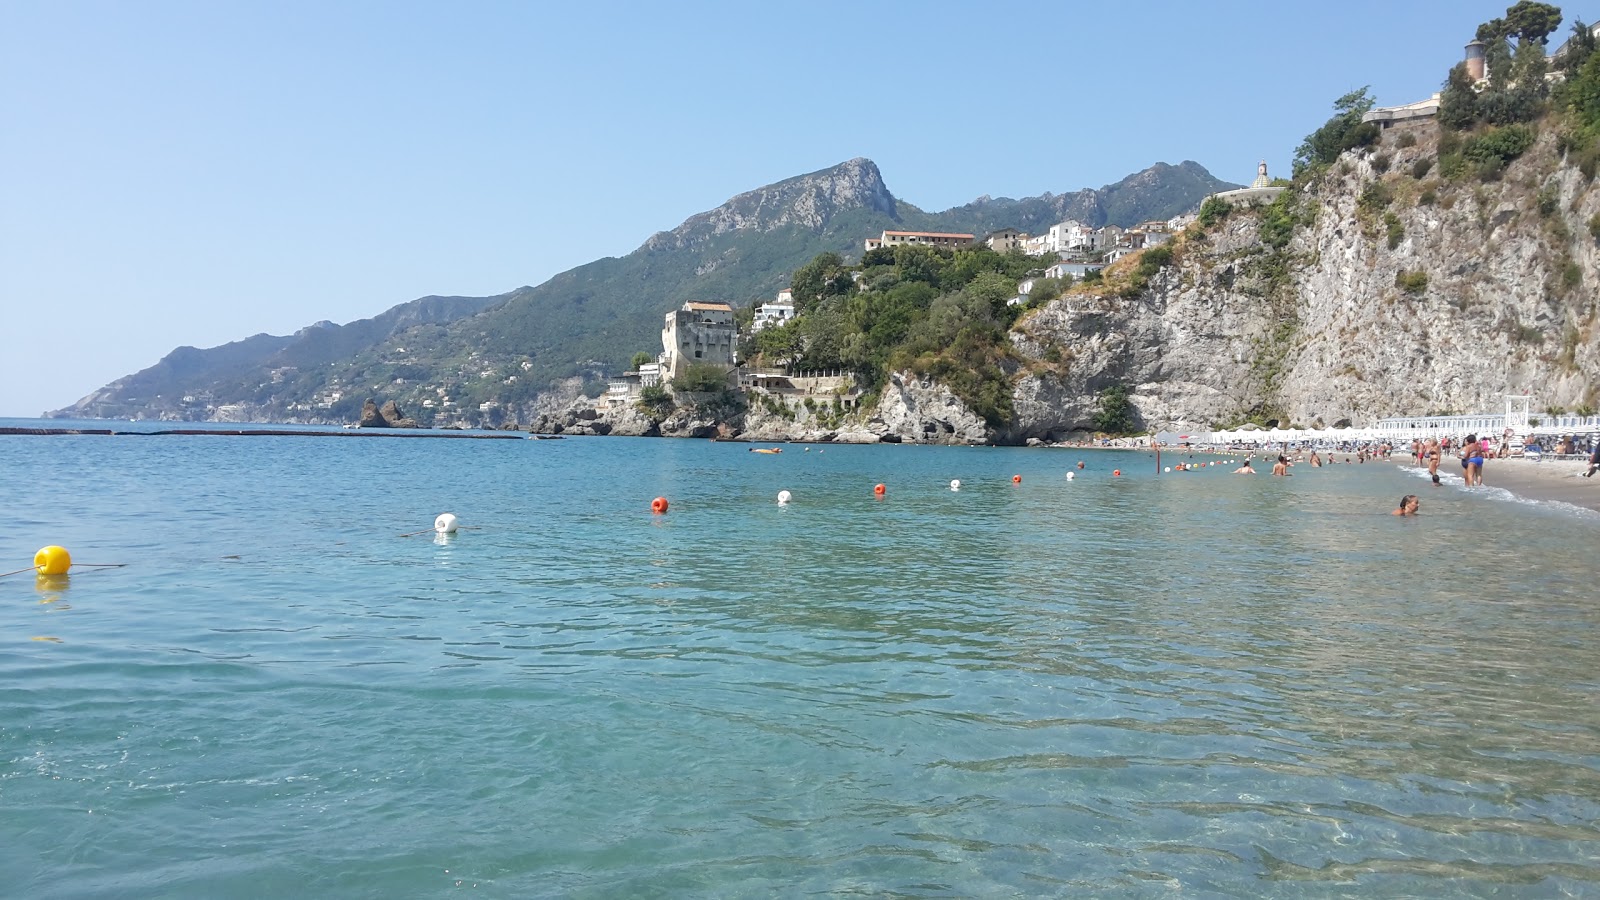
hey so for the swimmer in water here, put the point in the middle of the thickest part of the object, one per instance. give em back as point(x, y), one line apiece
point(1281, 467)
point(1409, 504)
point(1244, 469)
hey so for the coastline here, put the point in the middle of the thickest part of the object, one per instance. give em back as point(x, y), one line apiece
point(1548, 480)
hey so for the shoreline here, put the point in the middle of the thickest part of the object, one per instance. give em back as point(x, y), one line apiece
point(1545, 481)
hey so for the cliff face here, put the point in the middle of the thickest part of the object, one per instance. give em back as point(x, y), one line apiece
point(1500, 298)
point(808, 201)
point(1380, 290)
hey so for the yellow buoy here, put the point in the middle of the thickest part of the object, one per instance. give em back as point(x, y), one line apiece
point(52, 560)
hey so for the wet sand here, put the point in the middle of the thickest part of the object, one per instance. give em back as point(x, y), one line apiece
point(1547, 479)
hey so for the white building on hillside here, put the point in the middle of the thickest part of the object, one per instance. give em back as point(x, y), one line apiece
point(919, 239)
point(771, 314)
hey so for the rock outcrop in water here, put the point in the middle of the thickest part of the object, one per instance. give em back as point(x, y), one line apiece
point(388, 416)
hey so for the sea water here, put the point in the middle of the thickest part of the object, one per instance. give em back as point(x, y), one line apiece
point(1141, 685)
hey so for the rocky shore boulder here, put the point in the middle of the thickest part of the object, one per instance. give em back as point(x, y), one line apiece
point(388, 416)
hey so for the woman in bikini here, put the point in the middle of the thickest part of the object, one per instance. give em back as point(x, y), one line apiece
point(1472, 461)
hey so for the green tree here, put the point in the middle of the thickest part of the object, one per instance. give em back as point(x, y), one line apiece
point(1458, 102)
point(992, 288)
point(701, 378)
point(1044, 290)
point(1344, 131)
point(824, 276)
point(1580, 47)
point(1531, 22)
point(779, 344)
point(1583, 97)
point(642, 359)
point(1116, 414)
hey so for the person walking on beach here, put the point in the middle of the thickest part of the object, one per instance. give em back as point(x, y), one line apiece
point(1409, 504)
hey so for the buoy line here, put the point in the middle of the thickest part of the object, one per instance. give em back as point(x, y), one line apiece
point(54, 560)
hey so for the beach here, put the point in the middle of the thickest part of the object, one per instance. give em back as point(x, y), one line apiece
point(1546, 480)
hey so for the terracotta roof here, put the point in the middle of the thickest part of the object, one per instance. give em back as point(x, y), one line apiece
point(927, 234)
point(696, 305)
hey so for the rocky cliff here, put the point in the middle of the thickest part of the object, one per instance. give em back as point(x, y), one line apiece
point(1396, 293)
point(807, 201)
point(1378, 289)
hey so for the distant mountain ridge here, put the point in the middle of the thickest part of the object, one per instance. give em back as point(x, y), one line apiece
point(486, 359)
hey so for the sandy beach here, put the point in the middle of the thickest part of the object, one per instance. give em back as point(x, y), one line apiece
point(1547, 479)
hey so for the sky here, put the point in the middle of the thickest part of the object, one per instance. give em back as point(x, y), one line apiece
point(192, 173)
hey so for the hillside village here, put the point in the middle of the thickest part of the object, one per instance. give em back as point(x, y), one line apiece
point(1392, 193)
point(706, 334)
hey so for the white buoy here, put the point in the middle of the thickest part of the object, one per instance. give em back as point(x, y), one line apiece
point(783, 497)
point(1070, 476)
point(955, 484)
point(445, 524)
point(1167, 469)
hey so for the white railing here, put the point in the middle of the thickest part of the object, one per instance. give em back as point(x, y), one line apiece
point(1412, 427)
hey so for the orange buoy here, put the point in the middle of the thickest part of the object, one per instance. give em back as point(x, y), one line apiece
point(658, 505)
point(1016, 479)
point(1116, 473)
point(880, 490)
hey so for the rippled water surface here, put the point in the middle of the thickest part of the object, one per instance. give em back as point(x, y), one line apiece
point(1191, 684)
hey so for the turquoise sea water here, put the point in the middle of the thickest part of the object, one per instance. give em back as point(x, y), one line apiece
point(1194, 685)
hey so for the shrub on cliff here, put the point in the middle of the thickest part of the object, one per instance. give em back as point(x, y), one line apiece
point(1116, 414)
point(1212, 211)
point(1411, 282)
point(656, 401)
point(1492, 150)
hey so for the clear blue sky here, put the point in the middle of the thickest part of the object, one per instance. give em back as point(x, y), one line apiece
point(195, 173)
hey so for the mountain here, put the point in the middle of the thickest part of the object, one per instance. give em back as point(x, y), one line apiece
point(1159, 192)
point(1390, 283)
point(489, 358)
point(226, 374)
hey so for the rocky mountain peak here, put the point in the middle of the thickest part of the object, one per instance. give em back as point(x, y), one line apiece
point(808, 201)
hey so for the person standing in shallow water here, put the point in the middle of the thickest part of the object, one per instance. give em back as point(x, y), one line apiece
point(1281, 467)
point(1472, 461)
point(1409, 504)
